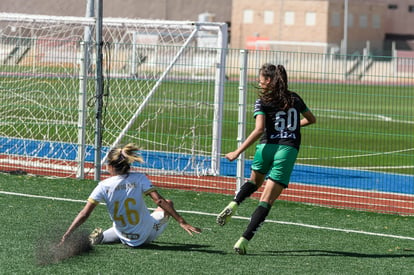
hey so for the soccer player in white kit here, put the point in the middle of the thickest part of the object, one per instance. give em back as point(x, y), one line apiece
point(133, 224)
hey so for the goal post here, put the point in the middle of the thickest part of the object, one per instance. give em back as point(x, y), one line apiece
point(213, 38)
point(163, 87)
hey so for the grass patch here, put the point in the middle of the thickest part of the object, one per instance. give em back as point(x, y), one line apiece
point(339, 241)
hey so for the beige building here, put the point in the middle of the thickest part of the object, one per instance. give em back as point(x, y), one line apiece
point(399, 17)
point(317, 24)
point(154, 9)
point(310, 23)
point(307, 22)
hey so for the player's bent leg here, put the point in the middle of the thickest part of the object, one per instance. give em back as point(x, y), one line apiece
point(160, 217)
point(161, 220)
point(247, 189)
point(110, 236)
point(162, 210)
point(225, 215)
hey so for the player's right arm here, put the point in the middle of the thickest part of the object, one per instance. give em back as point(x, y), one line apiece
point(252, 138)
point(82, 216)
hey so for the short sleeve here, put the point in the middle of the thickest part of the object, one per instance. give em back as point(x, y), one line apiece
point(300, 104)
point(146, 184)
point(258, 108)
point(97, 195)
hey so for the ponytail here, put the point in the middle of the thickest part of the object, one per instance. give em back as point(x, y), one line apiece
point(122, 158)
point(276, 92)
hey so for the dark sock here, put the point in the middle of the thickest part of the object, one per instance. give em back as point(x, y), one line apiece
point(257, 219)
point(245, 191)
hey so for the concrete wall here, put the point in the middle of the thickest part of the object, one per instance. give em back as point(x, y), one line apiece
point(399, 20)
point(372, 12)
point(392, 21)
point(311, 21)
point(154, 9)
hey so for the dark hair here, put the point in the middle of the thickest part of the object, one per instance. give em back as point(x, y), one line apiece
point(121, 158)
point(276, 92)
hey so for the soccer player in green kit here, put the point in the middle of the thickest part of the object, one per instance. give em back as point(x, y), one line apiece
point(277, 112)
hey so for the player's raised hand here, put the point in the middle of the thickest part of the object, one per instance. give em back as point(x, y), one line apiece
point(232, 156)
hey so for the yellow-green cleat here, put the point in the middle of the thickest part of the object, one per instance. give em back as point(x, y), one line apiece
point(225, 215)
point(241, 246)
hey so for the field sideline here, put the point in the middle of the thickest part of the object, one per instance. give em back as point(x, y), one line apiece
point(339, 187)
point(234, 217)
point(296, 239)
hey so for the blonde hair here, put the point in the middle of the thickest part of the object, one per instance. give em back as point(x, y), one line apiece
point(122, 158)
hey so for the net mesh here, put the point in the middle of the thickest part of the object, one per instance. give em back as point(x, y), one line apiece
point(43, 81)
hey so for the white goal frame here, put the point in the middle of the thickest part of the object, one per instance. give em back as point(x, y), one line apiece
point(201, 33)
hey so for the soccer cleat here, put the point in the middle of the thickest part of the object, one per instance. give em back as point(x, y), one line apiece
point(96, 236)
point(225, 215)
point(241, 245)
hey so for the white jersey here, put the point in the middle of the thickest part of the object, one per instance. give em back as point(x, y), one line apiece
point(123, 196)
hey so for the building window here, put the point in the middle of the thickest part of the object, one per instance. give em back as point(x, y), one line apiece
point(335, 19)
point(410, 8)
point(363, 21)
point(289, 18)
point(247, 16)
point(310, 19)
point(268, 17)
point(376, 21)
point(350, 20)
point(392, 6)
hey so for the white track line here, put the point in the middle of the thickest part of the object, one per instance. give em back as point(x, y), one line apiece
point(235, 217)
point(363, 155)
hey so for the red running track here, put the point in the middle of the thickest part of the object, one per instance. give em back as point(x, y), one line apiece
point(381, 202)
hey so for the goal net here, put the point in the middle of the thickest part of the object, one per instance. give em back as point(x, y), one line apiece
point(162, 89)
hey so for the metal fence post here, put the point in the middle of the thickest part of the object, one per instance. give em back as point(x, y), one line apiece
point(241, 129)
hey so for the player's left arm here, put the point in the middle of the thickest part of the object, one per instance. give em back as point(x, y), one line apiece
point(308, 118)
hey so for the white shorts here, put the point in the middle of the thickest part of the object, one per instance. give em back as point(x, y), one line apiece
point(159, 227)
point(161, 222)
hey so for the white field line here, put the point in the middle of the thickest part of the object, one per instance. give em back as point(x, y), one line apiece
point(358, 116)
point(39, 164)
point(237, 217)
